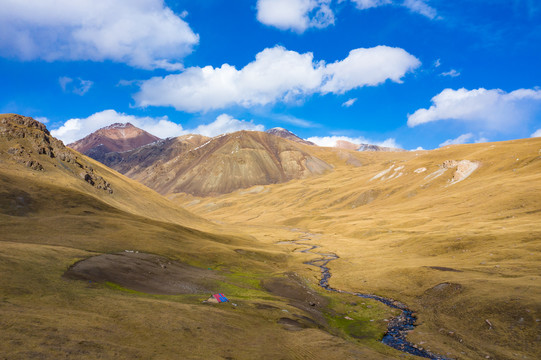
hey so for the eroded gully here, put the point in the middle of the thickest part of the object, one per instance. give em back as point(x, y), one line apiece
point(397, 328)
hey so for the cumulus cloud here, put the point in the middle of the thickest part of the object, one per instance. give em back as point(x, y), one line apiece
point(349, 103)
point(370, 67)
point(75, 129)
point(451, 73)
point(537, 133)
point(225, 124)
point(79, 87)
point(330, 141)
point(489, 109)
point(296, 15)
point(143, 33)
point(300, 15)
point(276, 75)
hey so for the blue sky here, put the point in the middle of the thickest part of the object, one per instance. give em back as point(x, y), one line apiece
point(408, 73)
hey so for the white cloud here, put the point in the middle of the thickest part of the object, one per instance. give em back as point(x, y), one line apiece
point(294, 121)
point(350, 102)
point(420, 7)
point(481, 140)
point(143, 33)
point(416, 6)
point(489, 109)
point(296, 15)
point(371, 67)
point(276, 75)
point(64, 81)
point(537, 133)
point(330, 141)
point(451, 73)
point(367, 4)
point(437, 63)
point(462, 139)
point(300, 15)
point(226, 124)
point(69, 85)
point(84, 86)
point(75, 129)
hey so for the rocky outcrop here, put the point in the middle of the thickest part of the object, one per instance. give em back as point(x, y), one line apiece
point(29, 143)
point(464, 169)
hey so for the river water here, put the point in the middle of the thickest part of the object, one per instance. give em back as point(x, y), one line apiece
point(398, 327)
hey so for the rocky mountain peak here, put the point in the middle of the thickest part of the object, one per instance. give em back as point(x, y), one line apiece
point(118, 126)
point(116, 137)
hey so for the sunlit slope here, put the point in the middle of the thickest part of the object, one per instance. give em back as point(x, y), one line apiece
point(58, 207)
point(403, 224)
point(219, 165)
point(53, 195)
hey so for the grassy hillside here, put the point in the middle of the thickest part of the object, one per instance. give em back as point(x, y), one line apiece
point(464, 254)
point(55, 213)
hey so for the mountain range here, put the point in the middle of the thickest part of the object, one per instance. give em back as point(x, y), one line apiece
point(229, 162)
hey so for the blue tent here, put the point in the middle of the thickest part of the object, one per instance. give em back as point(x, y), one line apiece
point(220, 298)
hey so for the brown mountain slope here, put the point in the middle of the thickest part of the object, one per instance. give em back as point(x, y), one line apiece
point(453, 232)
point(154, 154)
point(219, 165)
point(113, 138)
point(28, 150)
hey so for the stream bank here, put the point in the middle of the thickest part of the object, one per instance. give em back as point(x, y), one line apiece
point(398, 327)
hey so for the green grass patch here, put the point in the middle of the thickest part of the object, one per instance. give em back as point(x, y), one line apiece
point(357, 318)
point(114, 286)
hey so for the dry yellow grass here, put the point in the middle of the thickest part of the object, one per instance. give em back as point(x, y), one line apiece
point(391, 232)
point(44, 316)
point(51, 218)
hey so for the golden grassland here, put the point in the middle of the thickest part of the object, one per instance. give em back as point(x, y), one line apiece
point(465, 256)
point(51, 219)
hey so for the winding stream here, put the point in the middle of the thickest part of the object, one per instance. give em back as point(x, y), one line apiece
point(398, 327)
